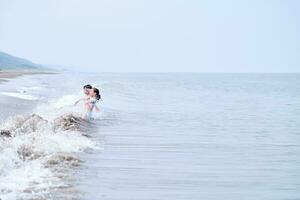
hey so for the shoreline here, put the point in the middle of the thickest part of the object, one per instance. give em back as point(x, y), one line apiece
point(10, 74)
point(11, 105)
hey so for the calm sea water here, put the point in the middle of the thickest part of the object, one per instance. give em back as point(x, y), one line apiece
point(181, 135)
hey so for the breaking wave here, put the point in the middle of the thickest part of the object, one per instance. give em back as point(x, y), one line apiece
point(38, 152)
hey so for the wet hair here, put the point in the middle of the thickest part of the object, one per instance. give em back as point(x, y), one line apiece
point(98, 96)
point(87, 87)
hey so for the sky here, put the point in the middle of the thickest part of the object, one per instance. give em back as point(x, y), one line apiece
point(154, 35)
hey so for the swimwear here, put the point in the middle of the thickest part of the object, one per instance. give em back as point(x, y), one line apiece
point(88, 115)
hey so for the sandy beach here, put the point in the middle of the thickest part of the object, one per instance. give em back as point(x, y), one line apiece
point(4, 75)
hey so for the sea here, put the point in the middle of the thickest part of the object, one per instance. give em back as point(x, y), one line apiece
point(158, 136)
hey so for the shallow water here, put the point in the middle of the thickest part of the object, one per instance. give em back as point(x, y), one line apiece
point(173, 136)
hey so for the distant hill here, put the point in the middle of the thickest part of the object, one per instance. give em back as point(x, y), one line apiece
point(9, 62)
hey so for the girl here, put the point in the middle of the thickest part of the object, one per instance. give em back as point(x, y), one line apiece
point(90, 104)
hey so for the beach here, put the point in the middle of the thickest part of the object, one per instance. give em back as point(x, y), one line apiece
point(150, 100)
point(9, 74)
point(158, 136)
point(11, 106)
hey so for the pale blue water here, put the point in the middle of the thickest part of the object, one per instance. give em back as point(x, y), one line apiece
point(198, 136)
point(190, 136)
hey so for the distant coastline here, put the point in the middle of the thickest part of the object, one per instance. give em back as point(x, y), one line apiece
point(12, 66)
point(10, 62)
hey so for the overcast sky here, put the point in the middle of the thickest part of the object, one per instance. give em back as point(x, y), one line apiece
point(155, 35)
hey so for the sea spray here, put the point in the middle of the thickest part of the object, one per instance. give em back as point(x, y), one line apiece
point(37, 152)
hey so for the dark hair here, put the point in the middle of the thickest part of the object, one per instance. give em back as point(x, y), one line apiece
point(87, 87)
point(98, 96)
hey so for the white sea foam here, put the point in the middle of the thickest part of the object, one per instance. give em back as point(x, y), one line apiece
point(30, 88)
point(66, 100)
point(20, 95)
point(37, 150)
point(54, 108)
point(29, 159)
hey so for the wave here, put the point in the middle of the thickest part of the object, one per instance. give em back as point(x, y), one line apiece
point(20, 95)
point(37, 152)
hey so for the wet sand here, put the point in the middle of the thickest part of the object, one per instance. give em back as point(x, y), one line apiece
point(11, 106)
point(4, 75)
